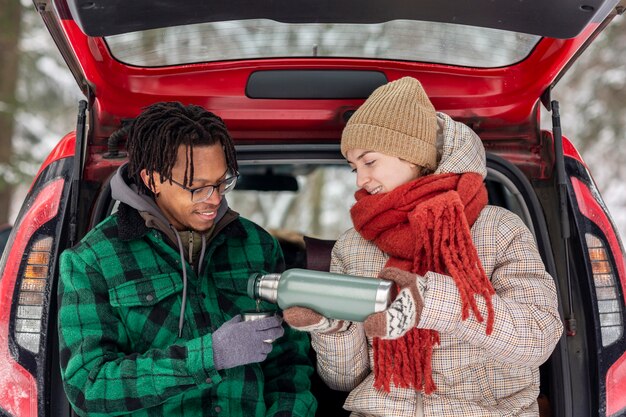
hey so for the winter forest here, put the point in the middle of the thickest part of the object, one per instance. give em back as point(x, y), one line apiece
point(38, 102)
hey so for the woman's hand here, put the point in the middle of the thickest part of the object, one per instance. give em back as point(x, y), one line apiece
point(307, 320)
point(404, 312)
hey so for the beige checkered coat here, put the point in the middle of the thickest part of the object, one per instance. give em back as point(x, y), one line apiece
point(476, 375)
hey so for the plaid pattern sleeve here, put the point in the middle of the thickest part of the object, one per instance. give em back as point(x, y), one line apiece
point(120, 353)
point(527, 325)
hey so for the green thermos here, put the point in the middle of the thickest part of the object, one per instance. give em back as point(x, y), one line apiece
point(336, 296)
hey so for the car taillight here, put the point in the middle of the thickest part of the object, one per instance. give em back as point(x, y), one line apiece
point(607, 292)
point(609, 277)
point(32, 294)
point(27, 266)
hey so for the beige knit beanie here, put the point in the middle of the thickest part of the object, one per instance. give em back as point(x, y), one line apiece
point(397, 119)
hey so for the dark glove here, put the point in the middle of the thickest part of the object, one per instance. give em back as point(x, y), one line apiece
point(404, 312)
point(307, 320)
point(239, 342)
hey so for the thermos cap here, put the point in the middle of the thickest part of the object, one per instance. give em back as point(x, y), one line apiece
point(252, 285)
point(264, 287)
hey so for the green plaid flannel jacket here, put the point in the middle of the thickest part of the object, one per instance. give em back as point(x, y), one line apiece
point(120, 295)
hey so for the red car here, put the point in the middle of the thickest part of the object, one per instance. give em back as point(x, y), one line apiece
point(285, 76)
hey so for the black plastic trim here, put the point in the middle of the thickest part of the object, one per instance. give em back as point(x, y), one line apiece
point(554, 18)
point(314, 84)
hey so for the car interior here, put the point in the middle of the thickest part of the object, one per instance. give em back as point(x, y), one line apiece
point(507, 187)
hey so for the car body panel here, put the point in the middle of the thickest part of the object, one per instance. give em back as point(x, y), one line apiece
point(499, 103)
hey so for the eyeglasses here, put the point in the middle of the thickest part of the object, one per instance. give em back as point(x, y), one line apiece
point(201, 194)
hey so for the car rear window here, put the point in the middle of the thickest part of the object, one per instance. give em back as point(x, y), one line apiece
point(320, 207)
point(405, 40)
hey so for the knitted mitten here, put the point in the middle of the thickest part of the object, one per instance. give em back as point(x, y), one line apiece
point(404, 312)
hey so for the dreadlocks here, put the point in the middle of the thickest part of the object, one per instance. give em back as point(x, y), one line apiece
point(157, 133)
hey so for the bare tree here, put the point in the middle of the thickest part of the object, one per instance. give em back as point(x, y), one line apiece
point(594, 115)
point(10, 25)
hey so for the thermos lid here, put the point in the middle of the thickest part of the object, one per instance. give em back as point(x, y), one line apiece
point(264, 287)
point(253, 285)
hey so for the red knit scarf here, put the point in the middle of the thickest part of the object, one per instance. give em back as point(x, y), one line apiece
point(424, 225)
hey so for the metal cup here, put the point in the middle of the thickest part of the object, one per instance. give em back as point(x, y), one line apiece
point(251, 315)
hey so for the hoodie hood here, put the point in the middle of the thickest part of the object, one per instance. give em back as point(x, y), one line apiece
point(125, 192)
point(460, 147)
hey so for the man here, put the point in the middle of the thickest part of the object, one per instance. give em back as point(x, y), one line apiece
point(150, 299)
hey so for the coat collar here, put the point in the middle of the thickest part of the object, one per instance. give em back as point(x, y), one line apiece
point(132, 226)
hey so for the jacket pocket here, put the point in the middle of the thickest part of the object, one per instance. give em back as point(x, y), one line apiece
point(145, 291)
point(149, 309)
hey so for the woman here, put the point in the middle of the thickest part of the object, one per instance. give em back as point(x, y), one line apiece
point(476, 313)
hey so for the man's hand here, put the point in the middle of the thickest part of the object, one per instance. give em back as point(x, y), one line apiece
point(307, 320)
point(239, 342)
point(403, 313)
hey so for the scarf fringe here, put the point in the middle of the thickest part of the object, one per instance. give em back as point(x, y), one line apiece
point(444, 245)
